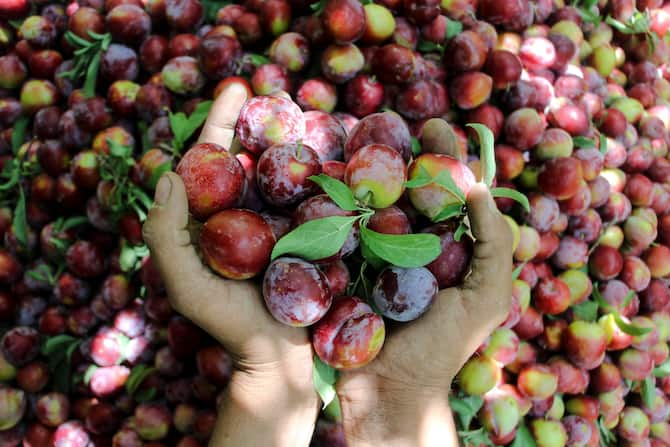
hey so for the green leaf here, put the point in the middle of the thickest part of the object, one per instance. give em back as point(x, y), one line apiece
point(316, 239)
point(586, 310)
point(416, 146)
point(137, 375)
point(336, 190)
point(374, 260)
point(662, 370)
point(628, 328)
point(426, 46)
point(324, 380)
point(403, 250)
point(446, 181)
point(158, 173)
point(460, 231)
point(20, 222)
point(523, 438)
point(257, 59)
point(513, 194)
point(486, 154)
point(466, 408)
point(19, 133)
point(88, 375)
point(92, 75)
point(184, 127)
point(583, 142)
point(423, 178)
point(454, 27)
point(603, 144)
point(453, 210)
point(72, 222)
point(517, 271)
point(212, 7)
point(178, 125)
point(118, 150)
point(59, 350)
point(145, 395)
point(648, 391)
point(628, 299)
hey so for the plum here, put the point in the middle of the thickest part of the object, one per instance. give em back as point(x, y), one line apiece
point(13, 407)
point(453, 263)
point(341, 63)
point(344, 20)
point(296, 292)
point(504, 67)
point(466, 51)
point(376, 174)
point(428, 99)
point(20, 345)
point(236, 243)
point(524, 128)
point(325, 135)
point(219, 55)
point(383, 128)
point(479, 375)
point(585, 344)
point(52, 409)
point(404, 294)
point(183, 15)
point(182, 75)
point(283, 171)
point(291, 50)
point(152, 421)
point(270, 79)
point(128, 23)
point(268, 120)
point(317, 94)
point(431, 199)
point(350, 335)
point(393, 64)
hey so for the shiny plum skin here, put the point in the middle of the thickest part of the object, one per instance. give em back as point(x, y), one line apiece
point(296, 292)
point(213, 178)
point(382, 128)
point(453, 263)
point(325, 134)
point(376, 173)
point(283, 170)
point(236, 243)
point(344, 20)
point(350, 335)
point(268, 120)
point(404, 294)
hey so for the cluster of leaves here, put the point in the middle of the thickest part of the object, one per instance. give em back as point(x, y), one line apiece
point(588, 10)
point(211, 8)
point(87, 57)
point(58, 350)
point(14, 171)
point(321, 238)
point(137, 376)
point(638, 23)
point(183, 127)
point(454, 27)
point(125, 195)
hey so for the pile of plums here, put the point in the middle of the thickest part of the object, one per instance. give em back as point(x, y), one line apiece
point(99, 97)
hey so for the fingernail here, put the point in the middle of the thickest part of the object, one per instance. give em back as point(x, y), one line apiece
point(163, 189)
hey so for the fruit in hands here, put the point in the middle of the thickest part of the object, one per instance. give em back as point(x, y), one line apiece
point(213, 178)
point(431, 199)
point(268, 120)
point(283, 173)
point(236, 243)
point(376, 174)
point(296, 292)
point(350, 335)
point(404, 294)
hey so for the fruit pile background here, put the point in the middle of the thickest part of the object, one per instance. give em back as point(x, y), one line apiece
point(99, 97)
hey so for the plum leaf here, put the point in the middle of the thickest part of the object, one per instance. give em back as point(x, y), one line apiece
point(583, 142)
point(517, 271)
point(523, 438)
point(586, 310)
point(336, 190)
point(454, 27)
point(58, 350)
point(324, 378)
point(137, 375)
point(513, 194)
point(648, 391)
point(460, 231)
point(486, 153)
point(19, 133)
point(446, 181)
point(212, 7)
point(466, 408)
point(630, 329)
point(20, 221)
point(184, 127)
point(421, 179)
point(453, 210)
point(602, 144)
point(316, 239)
point(416, 146)
point(662, 370)
point(403, 250)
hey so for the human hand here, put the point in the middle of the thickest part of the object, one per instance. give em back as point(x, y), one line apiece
point(273, 362)
point(405, 388)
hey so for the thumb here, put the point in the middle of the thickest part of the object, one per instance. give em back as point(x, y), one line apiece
point(490, 281)
point(167, 234)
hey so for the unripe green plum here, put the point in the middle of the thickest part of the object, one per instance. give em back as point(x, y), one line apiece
point(479, 375)
point(548, 433)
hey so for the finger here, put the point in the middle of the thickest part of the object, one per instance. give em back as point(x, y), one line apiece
point(220, 125)
point(167, 233)
point(489, 285)
point(438, 137)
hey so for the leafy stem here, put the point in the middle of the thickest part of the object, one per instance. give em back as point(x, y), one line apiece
point(87, 57)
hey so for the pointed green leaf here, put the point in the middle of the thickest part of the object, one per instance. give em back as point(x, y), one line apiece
point(513, 194)
point(403, 250)
point(453, 210)
point(423, 178)
point(416, 146)
point(523, 438)
point(316, 239)
point(648, 391)
point(19, 133)
point(336, 190)
point(517, 271)
point(20, 222)
point(486, 154)
point(662, 370)
point(454, 27)
point(92, 76)
point(586, 310)
point(630, 329)
point(583, 142)
point(603, 144)
point(446, 181)
point(460, 231)
point(324, 381)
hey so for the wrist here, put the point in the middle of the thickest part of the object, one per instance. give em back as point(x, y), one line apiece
point(377, 411)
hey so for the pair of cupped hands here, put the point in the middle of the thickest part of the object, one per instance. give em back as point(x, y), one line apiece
point(400, 398)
